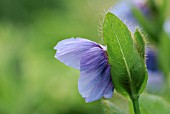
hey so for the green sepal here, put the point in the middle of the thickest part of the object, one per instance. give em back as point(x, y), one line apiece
point(139, 43)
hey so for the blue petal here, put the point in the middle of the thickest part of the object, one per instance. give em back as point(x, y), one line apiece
point(95, 79)
point(70, 51)
point(151, 61)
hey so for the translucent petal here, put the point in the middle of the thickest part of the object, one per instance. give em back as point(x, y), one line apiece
point(70, 51)
point(95, 79)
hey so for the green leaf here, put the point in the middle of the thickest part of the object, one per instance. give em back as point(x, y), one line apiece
point(164, 53)
point(162, 12)
point(139, 43)
point(127, 67)
point(151, 104)
point(164, 61)
point(116, 105)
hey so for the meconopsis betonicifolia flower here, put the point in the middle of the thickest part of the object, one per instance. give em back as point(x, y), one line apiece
point(91, 59)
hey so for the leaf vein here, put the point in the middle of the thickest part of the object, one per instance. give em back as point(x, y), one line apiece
point(124, 59)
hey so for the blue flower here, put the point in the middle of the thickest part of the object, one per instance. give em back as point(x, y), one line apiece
point(156, 77)
point(151, 62)
point(91, 59)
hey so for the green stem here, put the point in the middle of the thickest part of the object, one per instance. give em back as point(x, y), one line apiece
point(136, 106)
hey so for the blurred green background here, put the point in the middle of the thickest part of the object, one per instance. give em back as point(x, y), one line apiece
point(32, 81)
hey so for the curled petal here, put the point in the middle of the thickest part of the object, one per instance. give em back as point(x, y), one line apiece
point(70, 51)
point(95, 79)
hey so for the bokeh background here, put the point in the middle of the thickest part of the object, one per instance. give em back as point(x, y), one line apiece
point(32, 81)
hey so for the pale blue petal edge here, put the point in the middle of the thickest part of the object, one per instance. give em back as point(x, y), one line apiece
point(70, 51)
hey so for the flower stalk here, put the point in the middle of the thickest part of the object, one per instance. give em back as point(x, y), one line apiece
point(136, 106)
